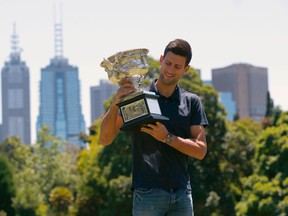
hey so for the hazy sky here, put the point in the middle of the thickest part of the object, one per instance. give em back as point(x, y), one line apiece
point(220, 32)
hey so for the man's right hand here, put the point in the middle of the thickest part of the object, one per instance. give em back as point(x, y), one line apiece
point(126, 88)
point(112, 121)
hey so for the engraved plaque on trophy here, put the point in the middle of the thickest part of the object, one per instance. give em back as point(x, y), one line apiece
point(141, 107)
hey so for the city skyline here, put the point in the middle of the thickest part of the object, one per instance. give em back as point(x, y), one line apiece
point(221, 33)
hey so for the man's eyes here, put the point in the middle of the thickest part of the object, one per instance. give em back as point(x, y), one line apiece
point(176, 66)
point(168, 63)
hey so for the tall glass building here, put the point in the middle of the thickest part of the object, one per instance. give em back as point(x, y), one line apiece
point(60, 107)
point(229, 104)
point(16, 96)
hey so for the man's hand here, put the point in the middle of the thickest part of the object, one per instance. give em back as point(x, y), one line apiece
point(158, 131)
point(126, 88)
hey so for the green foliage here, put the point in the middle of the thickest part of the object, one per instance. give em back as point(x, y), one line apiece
point(240, 148)
point(238, 152)
point(191, 81)
point(154, 68)
point(92, 184)
point(117, 157)
point(260, 196)
point(61, 198)
point(3, 213)
point(212, 204)
point(42, 210)
point(8, 147)
point(7, 185)
point(56, 162)
point(104, 185)
point(89, 201)
point(283, 119)
point(38, 169)
point(120, 197)
point(272, 152)
point(27, 196)
point(265, 191)
point(276, 115)
point(108, 102)
point(269, 105)
point(282, 206)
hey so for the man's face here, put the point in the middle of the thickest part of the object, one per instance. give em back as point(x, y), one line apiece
point(172, 68)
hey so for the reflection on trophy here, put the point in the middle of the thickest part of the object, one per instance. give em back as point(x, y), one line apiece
point(141, 107)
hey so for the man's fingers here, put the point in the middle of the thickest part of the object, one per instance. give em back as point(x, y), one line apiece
point(158, 124)
point(125, 81)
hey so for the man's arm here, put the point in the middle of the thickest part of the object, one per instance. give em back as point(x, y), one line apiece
point(195, 147)
point(110, 125)
point(112, 121)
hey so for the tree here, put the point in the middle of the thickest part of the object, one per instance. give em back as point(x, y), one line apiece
point(120, 199)
point(56, 162)
point(267, 120)
point(239, 152)
point(105, 176)
point(269, 105)
point(27, 192)
point(272, 150)
point(38, 169)
point(61, 198)
point(92, 184)
point(265, 191)
point(7, 185)
point(240, 147)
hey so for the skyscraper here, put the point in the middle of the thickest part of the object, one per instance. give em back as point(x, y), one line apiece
point(60, 107)
point(98, 95)
point(229, 104)
point(248, 85)
point(16, 95)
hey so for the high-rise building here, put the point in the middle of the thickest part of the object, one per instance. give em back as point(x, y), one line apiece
point(226, 100)
point(16, 95)
point(248, 85)
point(229, 104)
point(98, 95)
point(60, 107)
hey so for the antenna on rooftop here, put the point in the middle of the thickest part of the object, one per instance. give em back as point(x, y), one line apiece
point(58, 34)
point(15, 50)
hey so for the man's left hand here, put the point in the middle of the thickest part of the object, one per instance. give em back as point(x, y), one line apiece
point(158, 131)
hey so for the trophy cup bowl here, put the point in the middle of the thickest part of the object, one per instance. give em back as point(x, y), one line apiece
point(137, 108)
point(131, 63)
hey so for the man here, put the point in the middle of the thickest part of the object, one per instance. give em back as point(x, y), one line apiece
point(161, 151)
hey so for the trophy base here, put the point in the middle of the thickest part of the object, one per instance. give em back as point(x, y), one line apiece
point(140, 108)
point(151, 118)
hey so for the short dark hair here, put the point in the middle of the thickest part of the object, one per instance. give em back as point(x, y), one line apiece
point(180, 47)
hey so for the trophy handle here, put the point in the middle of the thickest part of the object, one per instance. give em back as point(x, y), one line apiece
point(107, 65)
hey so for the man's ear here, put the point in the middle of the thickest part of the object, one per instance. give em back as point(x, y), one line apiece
point(186, 69)
point(161, 58)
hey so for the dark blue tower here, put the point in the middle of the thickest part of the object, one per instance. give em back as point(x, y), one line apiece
point(60, 107)
point(16, 95)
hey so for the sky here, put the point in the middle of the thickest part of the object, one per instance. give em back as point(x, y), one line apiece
point(221, 33)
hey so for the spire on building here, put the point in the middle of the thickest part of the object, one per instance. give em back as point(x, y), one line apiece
point(15, 49)
point(58, 34)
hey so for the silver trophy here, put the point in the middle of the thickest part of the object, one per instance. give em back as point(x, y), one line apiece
point(140, 107)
